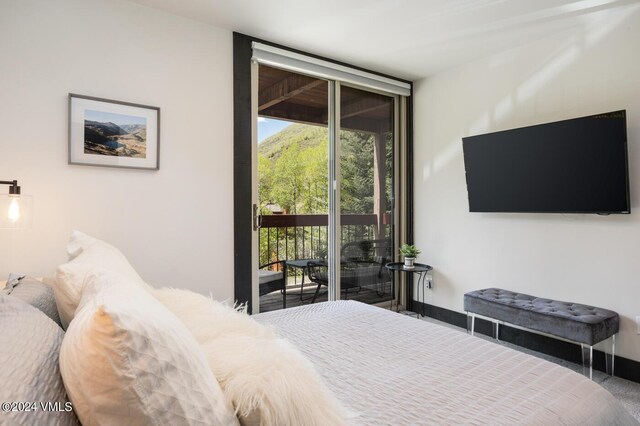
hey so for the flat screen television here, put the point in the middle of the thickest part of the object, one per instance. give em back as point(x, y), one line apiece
point(570, 166)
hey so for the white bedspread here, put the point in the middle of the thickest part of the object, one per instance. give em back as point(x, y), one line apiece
point(395, 370)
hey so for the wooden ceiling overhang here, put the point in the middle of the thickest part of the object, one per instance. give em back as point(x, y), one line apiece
point(290, 96)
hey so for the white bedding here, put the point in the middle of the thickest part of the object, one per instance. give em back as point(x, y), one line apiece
point(394, 369)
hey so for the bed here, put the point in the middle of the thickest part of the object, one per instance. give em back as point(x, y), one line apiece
point(384, 367)
point(393, 369)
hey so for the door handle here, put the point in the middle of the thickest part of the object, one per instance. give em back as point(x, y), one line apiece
point(256, 218)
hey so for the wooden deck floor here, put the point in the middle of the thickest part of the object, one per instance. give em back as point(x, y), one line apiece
point(369, 295)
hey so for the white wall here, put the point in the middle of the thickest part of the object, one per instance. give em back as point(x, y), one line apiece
point(175, 224)
point(583, 258)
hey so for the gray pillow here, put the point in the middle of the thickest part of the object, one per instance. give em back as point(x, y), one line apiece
point(34, 292)
point(29, 371)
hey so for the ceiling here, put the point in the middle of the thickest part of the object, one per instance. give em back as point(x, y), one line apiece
point(289, 96)
point(410, 39)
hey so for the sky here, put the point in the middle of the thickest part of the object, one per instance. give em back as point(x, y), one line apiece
point(119, 119)
point(269, 126)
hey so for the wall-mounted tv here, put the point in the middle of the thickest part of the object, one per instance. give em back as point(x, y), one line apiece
point(571, 166)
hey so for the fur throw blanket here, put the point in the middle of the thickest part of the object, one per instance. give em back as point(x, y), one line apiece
point(268, 381)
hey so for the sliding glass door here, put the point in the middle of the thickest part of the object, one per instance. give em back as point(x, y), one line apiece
point(293, 183)
point(367, 141)
point(324, 207)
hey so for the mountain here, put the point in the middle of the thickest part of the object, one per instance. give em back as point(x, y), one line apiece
point(137, 131)
point(105, 129)
point(107, 138)
point(132, 128)
point(92, 136)
point(305, 135)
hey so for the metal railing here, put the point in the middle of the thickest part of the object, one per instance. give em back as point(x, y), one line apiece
point(291, 237)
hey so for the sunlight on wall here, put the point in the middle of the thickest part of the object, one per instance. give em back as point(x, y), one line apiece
point(589, 68)
point(598, 31)
point(529, 88)
point(454, 148)
point(584, 4)
point(481, 124)
point(501, 110)
point(426, 172)
point(595, 29)
point(451, 152)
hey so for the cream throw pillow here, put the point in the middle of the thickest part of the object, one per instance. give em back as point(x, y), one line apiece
point(126, 359)
point(85, 255)
point(267, 379)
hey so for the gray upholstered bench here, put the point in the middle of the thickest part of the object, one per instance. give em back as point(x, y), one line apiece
point(582, 324)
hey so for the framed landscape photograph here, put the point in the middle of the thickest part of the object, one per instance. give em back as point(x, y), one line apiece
point(109, 133)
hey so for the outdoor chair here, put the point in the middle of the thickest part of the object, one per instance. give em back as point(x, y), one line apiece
point(362, 265)
point(318, 274)
point(367, 260)
point(272, 277)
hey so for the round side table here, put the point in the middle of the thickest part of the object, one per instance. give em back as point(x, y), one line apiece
point(420, 269)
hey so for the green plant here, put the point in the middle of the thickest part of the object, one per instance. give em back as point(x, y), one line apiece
point(409, 250)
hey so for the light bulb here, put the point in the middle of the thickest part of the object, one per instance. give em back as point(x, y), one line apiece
point(14, 210)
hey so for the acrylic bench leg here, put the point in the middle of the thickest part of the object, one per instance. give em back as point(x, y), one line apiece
point(613, 355)
point(610, 354)
point(587, 360)
point(471, 322)
point(498, 331)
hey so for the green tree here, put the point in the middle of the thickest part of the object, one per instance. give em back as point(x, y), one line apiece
point(265, 178)
point(315, 176)
point(293, 173)
point(356, 168)
point(287, 178)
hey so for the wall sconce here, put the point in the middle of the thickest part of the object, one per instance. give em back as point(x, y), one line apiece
point(15, 208)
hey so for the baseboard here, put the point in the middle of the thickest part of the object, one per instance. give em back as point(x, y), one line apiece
point(625, 368)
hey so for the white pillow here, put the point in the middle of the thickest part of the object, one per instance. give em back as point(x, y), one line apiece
point(268, 380)
point(85, 255)
point(126, 359)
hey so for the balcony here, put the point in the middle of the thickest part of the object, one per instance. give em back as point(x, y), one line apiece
point(294, 161)
point(365, 242)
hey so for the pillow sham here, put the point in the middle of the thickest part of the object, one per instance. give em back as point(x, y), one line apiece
point(85, 255)
point(29, 372)
point(267, 379)
point(126, 359)
point(35, 293)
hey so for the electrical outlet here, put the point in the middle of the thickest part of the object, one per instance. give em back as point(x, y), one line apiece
point(638, 323)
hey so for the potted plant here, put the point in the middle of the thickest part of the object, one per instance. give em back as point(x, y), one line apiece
point(409, 252)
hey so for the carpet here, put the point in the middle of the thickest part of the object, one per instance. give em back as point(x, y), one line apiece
point(627, 392)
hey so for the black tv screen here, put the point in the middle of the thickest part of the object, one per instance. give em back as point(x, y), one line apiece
point(570, 166)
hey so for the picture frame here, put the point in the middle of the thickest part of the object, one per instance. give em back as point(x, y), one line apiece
point(109, 133)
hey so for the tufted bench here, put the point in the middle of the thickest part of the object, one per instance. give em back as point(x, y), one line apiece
point(583, 324)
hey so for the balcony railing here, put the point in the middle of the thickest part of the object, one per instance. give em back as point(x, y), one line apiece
point(295, 237)
point(304, 236)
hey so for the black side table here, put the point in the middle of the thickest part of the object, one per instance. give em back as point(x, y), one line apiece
point(419, 268)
